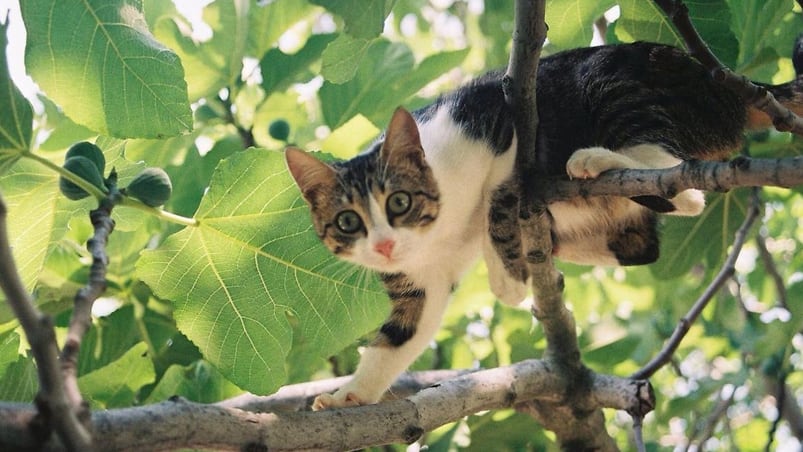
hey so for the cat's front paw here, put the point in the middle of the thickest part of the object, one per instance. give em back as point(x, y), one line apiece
point(508, 290)
point(591, 162)
point(340, 399)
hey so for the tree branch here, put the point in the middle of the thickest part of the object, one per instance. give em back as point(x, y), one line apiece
point(727, 270)
point(53, 403)
point(180, 424)
point(782, 118)
point(575, 419)
point(81, 318)
point(702, 175)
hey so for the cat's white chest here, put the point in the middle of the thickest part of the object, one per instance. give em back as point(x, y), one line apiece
point(466, 171)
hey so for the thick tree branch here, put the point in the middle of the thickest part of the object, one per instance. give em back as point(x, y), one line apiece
point(54, 405)
point(784, 119)
point(181, 424)
point(575, 419)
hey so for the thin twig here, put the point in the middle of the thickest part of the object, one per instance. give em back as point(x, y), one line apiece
point(792, 413)
point(53, 404)
point(780, 402)
point(782, 118)
point(638, 434)
point(771, 269)
point(728, 269)
point(81, 318)
point(719, 411)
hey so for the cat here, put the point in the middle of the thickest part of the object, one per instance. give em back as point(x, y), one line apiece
point(433, 193)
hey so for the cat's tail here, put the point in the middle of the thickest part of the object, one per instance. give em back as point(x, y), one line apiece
point(789, 94)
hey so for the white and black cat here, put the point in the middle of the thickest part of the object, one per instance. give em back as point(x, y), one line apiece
point(424, 202)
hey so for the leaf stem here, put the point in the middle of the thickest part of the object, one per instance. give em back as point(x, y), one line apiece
point(100, 194)
point(69, 175)
point(158, 212)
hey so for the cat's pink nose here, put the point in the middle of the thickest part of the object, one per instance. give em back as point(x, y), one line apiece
point(385, 247)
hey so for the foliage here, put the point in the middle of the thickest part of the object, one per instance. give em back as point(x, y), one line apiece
point(228, 289)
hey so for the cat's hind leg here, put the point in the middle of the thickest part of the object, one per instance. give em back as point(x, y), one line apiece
point(591, 162)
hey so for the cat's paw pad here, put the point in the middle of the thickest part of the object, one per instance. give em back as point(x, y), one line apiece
point(339, 399)
point(590, 162)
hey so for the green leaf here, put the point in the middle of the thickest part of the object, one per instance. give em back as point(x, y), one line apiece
point(342, 58)
point(16, 121)
point(217, 62)
point(229, 22)
point(253, 261)
point(240, 29)
point(644, 20)
point(116, 384)
point(30, 192)
point(363, 19)
point(193, 175)
point(99, 62)
point(612, 353)
point(9, 350)
point(109, 339)
point(199, 382)
point(279, 69)
point(269, 20)
point(688, 241)
point(763, 27)
point(571, 21)
point(387, 77)
point(64, 131)
point(20, 381)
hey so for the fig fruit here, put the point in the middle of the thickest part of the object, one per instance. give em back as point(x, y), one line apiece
point(279, 130)
point(84, 168)
point(152, 186)
point(90, 151)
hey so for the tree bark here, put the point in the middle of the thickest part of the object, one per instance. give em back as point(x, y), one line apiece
point(178, 423)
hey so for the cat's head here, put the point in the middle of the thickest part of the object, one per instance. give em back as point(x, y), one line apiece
point(373, 209)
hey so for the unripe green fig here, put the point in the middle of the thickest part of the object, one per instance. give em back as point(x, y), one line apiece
point(152, 186)
point(90, 151)
point(279, 130)
point(84, 168)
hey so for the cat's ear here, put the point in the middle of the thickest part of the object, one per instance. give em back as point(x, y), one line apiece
point(310, 174)
point(402, 139)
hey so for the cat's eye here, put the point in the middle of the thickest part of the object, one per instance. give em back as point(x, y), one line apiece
point(399, 203)
point(348, 222)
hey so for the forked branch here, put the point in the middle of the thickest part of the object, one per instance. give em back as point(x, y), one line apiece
point(54, 406)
